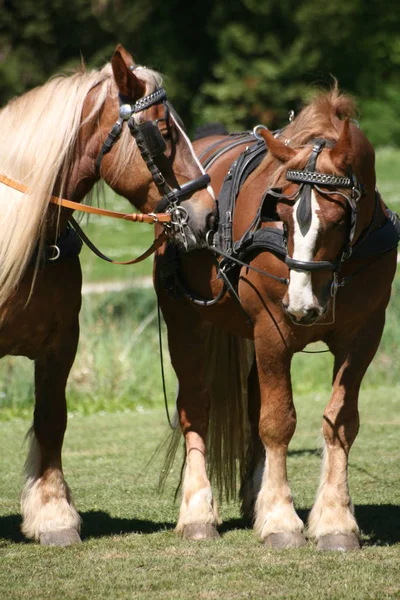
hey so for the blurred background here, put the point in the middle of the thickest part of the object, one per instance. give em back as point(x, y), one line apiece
point(241, 63)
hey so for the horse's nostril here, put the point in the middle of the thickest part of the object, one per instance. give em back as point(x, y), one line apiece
point(313, 314)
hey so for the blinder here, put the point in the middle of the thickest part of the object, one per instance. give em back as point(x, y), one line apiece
point(308, 179)
point(153, 139)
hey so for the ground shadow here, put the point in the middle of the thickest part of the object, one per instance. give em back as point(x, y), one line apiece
point(10, 529)
point(305, 452)
point(380, 523)
point(98, 524)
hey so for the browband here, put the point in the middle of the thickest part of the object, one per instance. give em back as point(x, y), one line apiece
point(322, 178)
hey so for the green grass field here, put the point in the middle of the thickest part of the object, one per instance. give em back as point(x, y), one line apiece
point(129, 548)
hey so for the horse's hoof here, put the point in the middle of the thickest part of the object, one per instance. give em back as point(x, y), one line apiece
point(62, 537)
point(284, 540)
point(200, 531)
point(341, 542)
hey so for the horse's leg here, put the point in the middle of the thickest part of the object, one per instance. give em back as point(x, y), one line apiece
point(332, 520)
point(276, 520)
point(49, 515)
point(255, 459)
point(188, 345)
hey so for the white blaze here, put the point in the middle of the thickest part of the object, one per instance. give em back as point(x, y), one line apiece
point(300, 288)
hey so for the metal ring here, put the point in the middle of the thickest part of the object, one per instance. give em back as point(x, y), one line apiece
point(57, 252)
point(181, 214)
point(257, 135)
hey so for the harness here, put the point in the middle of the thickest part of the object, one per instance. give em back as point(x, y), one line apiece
point(374, 242)
point(151, 144)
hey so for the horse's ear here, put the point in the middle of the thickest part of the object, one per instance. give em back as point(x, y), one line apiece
point(342, 153)
point(128, 84)
point(276, 147)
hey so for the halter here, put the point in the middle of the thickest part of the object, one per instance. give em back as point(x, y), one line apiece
point(152, 144)
point(309, 179)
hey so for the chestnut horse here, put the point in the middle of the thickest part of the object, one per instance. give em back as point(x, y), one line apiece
point(321, 250)
point(60, 139)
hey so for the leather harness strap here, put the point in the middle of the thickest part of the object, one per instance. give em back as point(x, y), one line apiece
point(159, 241)
point(135, 217)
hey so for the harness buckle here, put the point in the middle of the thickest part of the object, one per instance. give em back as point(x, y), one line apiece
point(155, 217)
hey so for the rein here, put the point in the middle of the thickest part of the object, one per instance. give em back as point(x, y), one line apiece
point(151, 218)
point(134, 217)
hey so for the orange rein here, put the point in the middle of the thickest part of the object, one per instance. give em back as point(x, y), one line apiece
point(134, 217)
point(138, 217)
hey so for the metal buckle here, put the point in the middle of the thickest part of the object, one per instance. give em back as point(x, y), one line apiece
point(57, 253)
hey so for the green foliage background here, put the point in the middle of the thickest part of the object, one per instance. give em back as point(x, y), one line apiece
point(239, 62)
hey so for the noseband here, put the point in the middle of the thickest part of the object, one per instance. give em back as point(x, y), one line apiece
point(152, 144)
point(309, 179)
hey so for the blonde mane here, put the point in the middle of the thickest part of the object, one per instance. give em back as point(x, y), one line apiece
point(38, 133)
point(319, 119)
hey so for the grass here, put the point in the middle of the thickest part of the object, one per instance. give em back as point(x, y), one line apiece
point(117, 365)
point(130, 550)
point(118, 239)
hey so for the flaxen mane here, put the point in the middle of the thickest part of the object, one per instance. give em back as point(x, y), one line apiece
point(38, 132)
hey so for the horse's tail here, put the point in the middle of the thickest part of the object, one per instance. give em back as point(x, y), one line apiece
point(229, 360)
point(229, 363)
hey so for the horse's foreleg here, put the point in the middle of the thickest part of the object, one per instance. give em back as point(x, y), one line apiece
point(276, 520)
point(332, 521)
point(49, 515)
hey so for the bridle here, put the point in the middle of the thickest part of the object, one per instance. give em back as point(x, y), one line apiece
point(308, 179)
point(151, 144)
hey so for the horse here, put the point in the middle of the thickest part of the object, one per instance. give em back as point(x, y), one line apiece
point(306, 253)
point(114, 124)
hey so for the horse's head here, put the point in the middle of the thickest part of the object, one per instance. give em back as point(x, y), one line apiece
point(321, 184)
point(143, 153)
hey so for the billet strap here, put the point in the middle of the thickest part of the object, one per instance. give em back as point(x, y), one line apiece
point(159, 241)
point(134, 217)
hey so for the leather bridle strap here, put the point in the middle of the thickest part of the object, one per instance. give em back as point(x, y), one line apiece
point(134, 217)
point(159, 241)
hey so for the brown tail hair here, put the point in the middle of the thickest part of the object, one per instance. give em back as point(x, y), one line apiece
point(229, 360)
